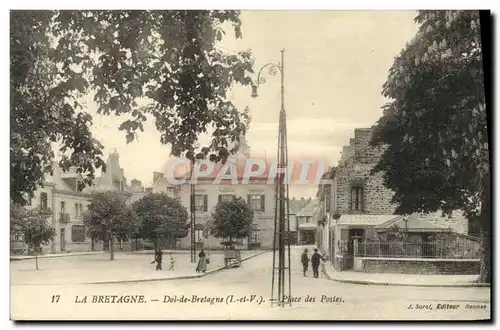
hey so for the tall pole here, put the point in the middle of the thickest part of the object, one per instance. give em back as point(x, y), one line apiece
point(281, 237)
point(193, 215)
point(282, 220)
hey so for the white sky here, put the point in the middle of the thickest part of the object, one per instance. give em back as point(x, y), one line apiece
point(335, 65)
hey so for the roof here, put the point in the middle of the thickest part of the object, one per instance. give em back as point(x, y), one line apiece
point(294, 206)
point(309, 210)
point(415, 223)
point(365, 219)
point(235, 164)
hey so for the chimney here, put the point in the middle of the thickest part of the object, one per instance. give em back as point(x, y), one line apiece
point(157, 176)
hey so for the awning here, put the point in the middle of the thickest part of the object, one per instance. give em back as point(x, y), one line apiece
point(364, 219)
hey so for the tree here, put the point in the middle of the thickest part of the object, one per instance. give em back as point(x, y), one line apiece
point(434, 130)
point(109, 218)
point(160, 216)
point(32, 224)
point(162, 65)
point(232, 219)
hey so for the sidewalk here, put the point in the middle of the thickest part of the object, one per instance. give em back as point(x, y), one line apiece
point(56, 255)
point(354, 277)
point(98, 269)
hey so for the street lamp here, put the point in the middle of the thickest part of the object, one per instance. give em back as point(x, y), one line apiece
point(281, 211)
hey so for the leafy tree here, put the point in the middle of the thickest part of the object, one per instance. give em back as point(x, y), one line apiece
point(43, 110)
point(160, 217)
point(232, 219)
point(109, 218)
point(435, 126)
point(32, 224)
point(162, 65)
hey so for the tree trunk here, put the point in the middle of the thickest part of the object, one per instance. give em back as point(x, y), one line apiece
point(156, 243)
point(36, 259)
point(485, 268)
point(485, 225)
point(111, 247)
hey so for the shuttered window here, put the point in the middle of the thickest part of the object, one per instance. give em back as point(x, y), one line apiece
point(200, 202)
point(224, 198)
point(78, 233)
point(257, 202)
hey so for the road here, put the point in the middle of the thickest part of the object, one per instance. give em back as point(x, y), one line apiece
point(252, 280)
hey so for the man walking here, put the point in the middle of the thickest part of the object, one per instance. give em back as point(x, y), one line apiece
point(315, 261)
point(158, 259)
point(305, 261)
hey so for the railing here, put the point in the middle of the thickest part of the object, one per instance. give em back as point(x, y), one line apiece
point(438, 250)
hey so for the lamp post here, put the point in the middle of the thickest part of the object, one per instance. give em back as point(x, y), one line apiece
point(281, 244)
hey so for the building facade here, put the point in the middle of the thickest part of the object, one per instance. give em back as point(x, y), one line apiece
point(258, 193)
point(307, 222)
point(60, 194)
point(356, 201)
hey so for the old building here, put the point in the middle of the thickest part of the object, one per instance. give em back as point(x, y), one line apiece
point(357, 190)
point(307, 220)
point(61, 195)
point(259, 193)
point(355, 202)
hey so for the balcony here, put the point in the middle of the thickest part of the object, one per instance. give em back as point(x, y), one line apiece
point(64, 218)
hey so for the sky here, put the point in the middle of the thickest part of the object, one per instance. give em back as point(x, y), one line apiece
point(335, 65)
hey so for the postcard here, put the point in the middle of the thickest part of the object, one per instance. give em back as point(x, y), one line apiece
point(250, 165)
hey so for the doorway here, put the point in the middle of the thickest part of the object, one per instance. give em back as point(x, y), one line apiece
point(63, 239)
point(308, 237)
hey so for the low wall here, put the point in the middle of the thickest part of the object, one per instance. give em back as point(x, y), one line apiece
point(417, 266)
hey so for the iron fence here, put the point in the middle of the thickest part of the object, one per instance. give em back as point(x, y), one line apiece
point(438, 250)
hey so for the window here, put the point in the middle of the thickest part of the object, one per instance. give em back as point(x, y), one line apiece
point(43, 200)
point(63, 207)
point(356, 234)
point(257, 202)
point(77, 209)
point(357, 199)
point(236, 241)
point(327, 198)
point(78, 233)
point(198, 234)
point(255, 237)
point(200, 203)
point(224, 198)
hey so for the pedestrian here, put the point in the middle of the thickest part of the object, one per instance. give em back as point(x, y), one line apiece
point(202, 262)
point(305, 261)
point(158, 259)
point(315, 261)
point(172, 263)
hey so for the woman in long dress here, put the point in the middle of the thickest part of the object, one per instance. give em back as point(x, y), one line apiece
point(202, 262)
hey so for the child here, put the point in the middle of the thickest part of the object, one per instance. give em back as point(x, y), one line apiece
point(172, 263)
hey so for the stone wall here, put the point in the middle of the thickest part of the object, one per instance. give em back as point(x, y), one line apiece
point(421, 266)
point(356, 171)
